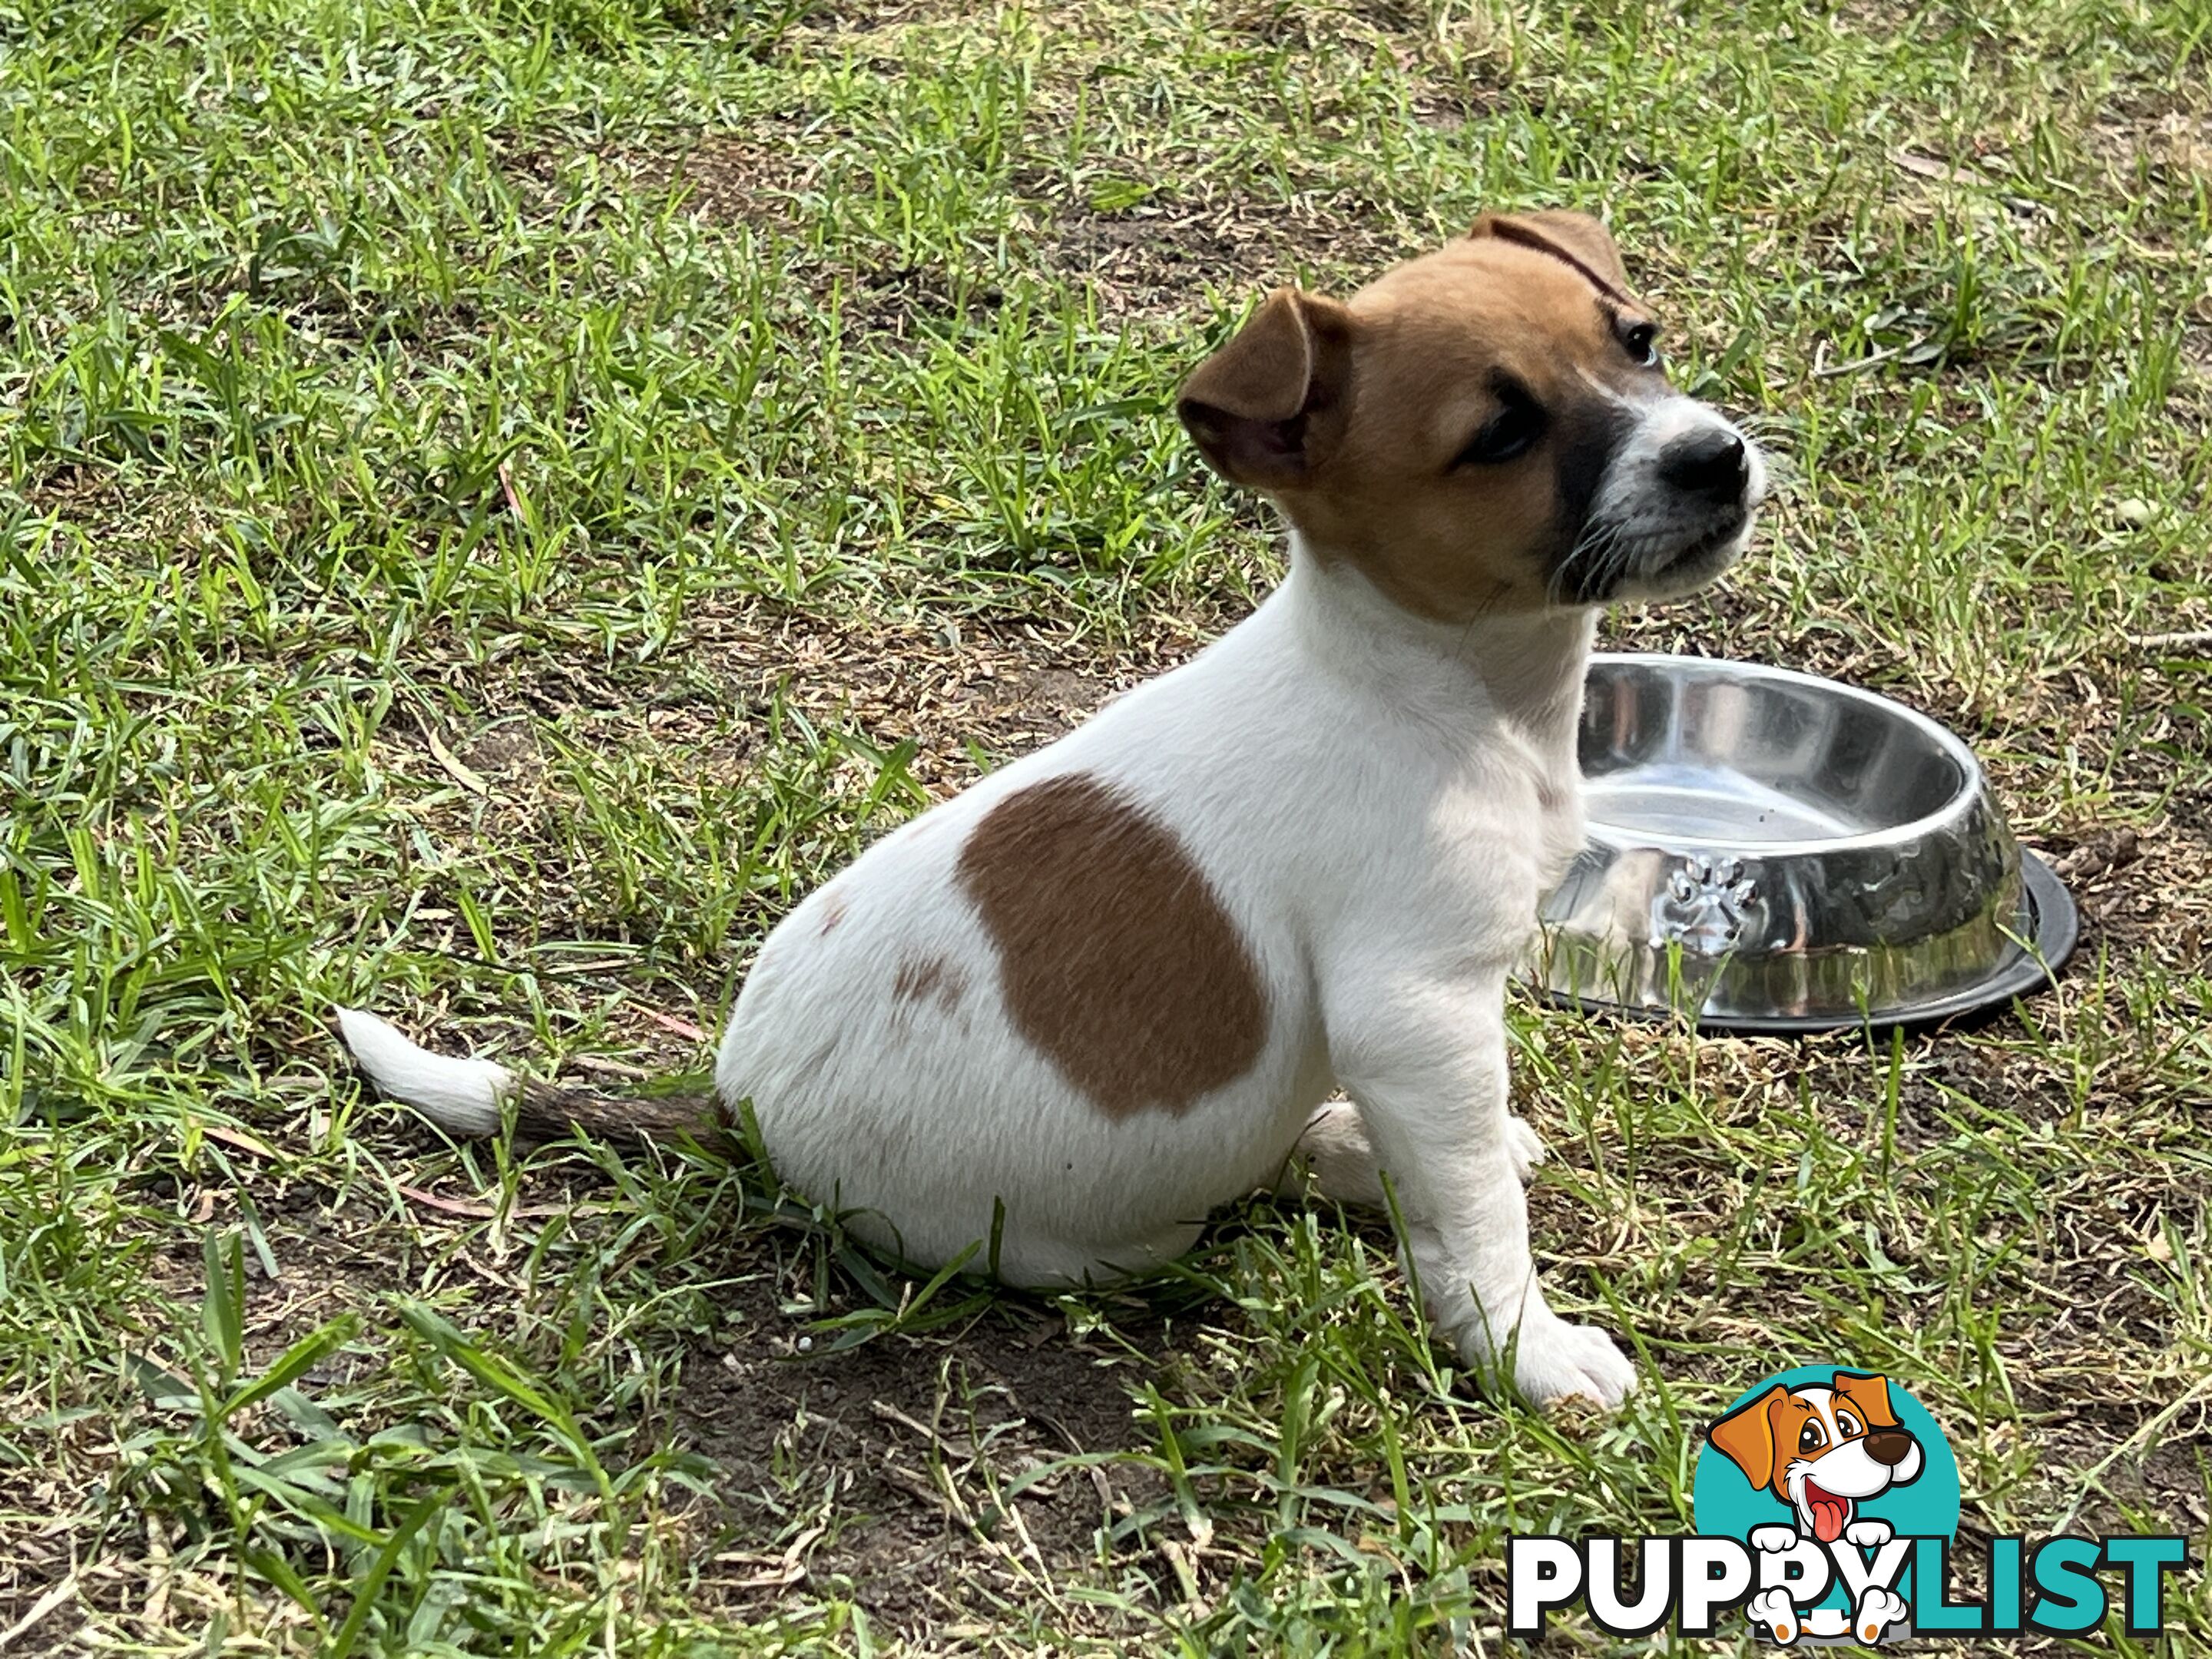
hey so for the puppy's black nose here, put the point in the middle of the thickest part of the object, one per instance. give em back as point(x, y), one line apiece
point(1888, 1446)
point(1710, 463)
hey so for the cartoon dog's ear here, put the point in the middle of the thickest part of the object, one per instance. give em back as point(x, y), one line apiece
point(1745, 1438)
point(1870, 1394)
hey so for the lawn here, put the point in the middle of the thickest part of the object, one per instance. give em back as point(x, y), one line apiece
point(498, 500)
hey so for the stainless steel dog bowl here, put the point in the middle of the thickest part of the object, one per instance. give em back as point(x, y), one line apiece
point(1773, 853)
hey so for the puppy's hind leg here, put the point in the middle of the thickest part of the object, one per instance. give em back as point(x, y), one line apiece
point(1334, 1154)
point(1524, 1147)
point(1038, 1259)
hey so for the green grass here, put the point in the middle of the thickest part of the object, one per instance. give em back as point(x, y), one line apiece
point(498, 500)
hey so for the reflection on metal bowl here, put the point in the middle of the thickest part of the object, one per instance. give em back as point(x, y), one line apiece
point(1772, 852)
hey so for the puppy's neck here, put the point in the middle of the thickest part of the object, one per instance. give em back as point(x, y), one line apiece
point(1525, 669)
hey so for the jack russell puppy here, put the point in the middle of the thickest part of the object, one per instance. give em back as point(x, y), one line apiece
point(1058, 1019)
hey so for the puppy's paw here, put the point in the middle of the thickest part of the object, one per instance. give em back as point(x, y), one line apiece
point(1866, 1535)
point(1553, 1360)
point(1773, 1539)
point(1523, 1147)
point(1878, 1609)
point(1772, 1610)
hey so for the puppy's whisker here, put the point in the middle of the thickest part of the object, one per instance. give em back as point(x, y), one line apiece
point(1592, 536)
point(1591, 550)
point(1620, 555)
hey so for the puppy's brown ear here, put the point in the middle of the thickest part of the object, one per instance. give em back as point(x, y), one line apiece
point(1871, 1395)
point(1576, 238)
point(1265, 408)
point(1745, 1438)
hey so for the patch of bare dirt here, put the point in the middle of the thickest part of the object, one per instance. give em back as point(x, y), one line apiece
point(952, 687)
point(1160, 256)
point(729, 180)
point(832, 18)
point(940, 1462)
point(945, 687)
point(2178, 141)
point(40, 1583)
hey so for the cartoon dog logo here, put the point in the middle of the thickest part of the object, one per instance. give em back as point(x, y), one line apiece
point(1823, 1451)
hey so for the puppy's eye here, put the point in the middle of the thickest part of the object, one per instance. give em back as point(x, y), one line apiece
point(1812, 1437)
point(1848, 1425)
point(1513, 431)
point(1641, 342)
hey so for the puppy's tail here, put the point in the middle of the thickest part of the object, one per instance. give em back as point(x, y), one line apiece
point(468, 1096)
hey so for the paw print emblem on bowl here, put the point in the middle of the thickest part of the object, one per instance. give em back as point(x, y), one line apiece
point(1705, 907)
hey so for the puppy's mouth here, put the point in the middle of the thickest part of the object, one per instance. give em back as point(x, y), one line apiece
point(1830, 1513)
point(1605, 568)
point(1719, 538)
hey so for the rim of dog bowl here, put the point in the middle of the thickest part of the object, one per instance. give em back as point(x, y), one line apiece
point(1972, 783)
point(2054, 928)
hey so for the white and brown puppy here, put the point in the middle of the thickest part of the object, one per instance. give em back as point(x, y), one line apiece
point(1067, 1014)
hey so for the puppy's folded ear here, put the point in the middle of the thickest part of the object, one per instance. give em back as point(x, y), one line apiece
point(1264, 409)
point(1745, 1438)
point(1576, 238)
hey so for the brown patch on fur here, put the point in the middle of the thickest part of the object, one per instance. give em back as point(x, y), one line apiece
point(1759, 1436)
point(929, 979)
point(1356, 415)
point(833, 911)
point(1116, 958)
point(1868, 1394)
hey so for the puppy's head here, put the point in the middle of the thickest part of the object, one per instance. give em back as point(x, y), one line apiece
point(1486, 428)
point(1821, 1450)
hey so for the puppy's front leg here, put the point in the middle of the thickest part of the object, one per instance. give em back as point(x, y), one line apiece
point(1424, 1059)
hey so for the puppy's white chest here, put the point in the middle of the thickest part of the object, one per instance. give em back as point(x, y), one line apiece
point(1507, 839)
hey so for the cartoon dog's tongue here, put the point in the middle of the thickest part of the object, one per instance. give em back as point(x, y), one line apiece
point(1829, 1513)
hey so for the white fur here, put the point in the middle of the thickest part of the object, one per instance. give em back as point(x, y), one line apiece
point(1877, 1610)
point(1335, 1153)
point(1843, 1467)
point(462, 1096)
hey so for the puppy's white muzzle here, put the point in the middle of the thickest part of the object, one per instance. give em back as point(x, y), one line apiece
point(1677, 504)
